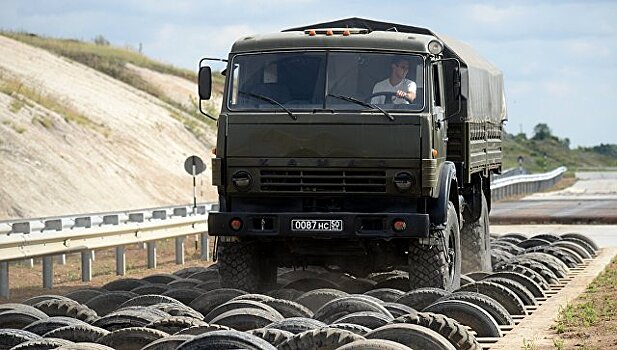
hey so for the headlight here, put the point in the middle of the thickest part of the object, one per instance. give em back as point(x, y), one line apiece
point(435, 47)
point(242, 180)
point(404, 181)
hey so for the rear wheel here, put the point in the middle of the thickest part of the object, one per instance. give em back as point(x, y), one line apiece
point(437, 265)
point(242, 266)
point(475, 242)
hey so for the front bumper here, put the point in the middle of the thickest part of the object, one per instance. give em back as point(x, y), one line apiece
point(376, 225)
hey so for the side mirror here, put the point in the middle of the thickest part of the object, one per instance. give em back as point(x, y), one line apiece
point(205, 83)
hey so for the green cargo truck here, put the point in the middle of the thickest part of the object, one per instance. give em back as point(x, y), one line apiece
point(357, 145)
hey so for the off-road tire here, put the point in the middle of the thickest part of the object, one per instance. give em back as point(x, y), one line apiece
point(296, 325)
point(271, 335)
point(374, 344)
point(495, 309)
point(320, 339)
point(227, 339)
point(476, 242)
point(131, 338)
point(468, 314)
point(411, 335)
point(78, 333)
point(242, 267)
point(452, 330)
point(438, 265)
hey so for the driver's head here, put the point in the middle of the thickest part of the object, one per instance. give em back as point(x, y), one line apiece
point(400, 67)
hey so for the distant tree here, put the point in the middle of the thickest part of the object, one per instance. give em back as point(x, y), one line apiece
point(542, 132)
point(100, 40)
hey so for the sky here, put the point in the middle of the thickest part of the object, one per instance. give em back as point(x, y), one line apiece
point(559, 58)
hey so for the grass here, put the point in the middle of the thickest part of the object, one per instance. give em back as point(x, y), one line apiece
point(594, 312)
point(112, 61)
point(29, 96)
point(545, 155)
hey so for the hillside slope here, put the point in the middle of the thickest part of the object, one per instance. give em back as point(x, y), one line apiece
point(75, 140)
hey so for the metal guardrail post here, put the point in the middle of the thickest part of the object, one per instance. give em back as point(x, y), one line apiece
point(4, 279)
point(86, 265)
point(48, 272)
point(120, 261)
point(205, 246)
point(180, 250)
point(151, 254)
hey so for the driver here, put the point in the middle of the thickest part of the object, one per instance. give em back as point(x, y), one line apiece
point(397, 87)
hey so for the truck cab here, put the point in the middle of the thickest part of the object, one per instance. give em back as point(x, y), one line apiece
point(333, 150)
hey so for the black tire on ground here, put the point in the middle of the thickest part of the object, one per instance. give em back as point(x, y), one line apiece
point(85, 346)
point(411, 335)
point(242, 266)
point(240, 304)
point(399, 282)
point(286, 294)
point(566, 256)
point(148, 300)
point(37, 299)
point(507, 246)
point(369, 319)
point(374, 344)
point(477, 275)
point(212, 299)
point(382, 276)
point(466, 280)
point(339, 307)
point(507, 298)
point(110, 301)
point(533, 242)
point(205, 275)
point(468, 314)
point(168, 343)
point(70, 308)
point(77, 333)
point(514, 235)
point(499, 256)
point(495, 309)
point(397, 309)
point(315, 299)
point(387, 295)
point(420, 298)
point(226, 339)
point(456, 333)
point(289, 308)
point(184, 283)
point(174, 324)
point(476, 242)
point(245, 319)
point(162, 278)
point(557, 266)
point(43, 326)
point(125, 284)
point(150, 289)
point(583, 243)
point(131, 338)
point(352, 327)
point(187, 271)
point(523, 293)
point(178, 310)
point(82, 296)
point(527, 282)
point(296, 325)
point(538, 268)
point(130, 317)
point(547, 237)
point(358, 285)
point(197, 330)
point(254, 297)
point(17, 319)
point(525, 271)
point(271, 335)
point(581, 237)
point(577, 247)
point(23, 308)
point(320, 339)
point(42, 344)
point(13, 337)
point(438, 265)
point(184, 295)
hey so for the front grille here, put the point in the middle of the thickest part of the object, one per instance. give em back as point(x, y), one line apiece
point(329, 181)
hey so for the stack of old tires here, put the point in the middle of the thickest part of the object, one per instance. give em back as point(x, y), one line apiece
point(310, 309)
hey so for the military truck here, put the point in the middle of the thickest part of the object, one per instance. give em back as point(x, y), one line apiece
point(316, 165)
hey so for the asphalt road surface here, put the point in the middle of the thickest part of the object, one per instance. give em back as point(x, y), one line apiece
point(592, 200)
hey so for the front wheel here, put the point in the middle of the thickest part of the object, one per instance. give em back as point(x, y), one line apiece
point(437, 265)
point(243, 266)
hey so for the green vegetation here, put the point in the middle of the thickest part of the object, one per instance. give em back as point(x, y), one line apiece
point(595, 311)
point(110, 60)
point(29, 96)
point(544, 152)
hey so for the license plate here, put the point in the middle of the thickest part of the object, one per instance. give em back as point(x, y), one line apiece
point(317, 225)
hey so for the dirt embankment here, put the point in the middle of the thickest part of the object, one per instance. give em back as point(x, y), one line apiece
point(118, 148)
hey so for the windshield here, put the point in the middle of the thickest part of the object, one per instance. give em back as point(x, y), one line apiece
point(327, 80)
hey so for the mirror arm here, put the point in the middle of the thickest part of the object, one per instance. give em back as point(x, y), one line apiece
point(204, 112)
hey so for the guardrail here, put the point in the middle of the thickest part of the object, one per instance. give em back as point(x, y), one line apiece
point(56, 236)
point(525, 184)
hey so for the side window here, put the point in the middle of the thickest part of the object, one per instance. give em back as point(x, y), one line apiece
point(234, 92)
point(437, 98)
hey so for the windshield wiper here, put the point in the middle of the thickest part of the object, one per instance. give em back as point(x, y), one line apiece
point(362, 103)
point(269, 99)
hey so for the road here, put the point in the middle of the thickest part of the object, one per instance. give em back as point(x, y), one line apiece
point(592, 199)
